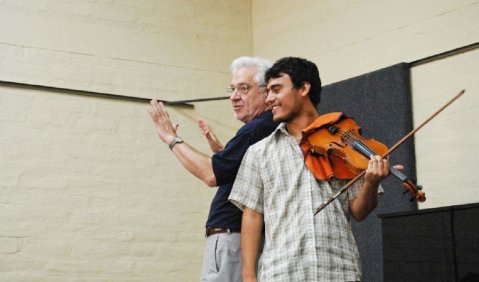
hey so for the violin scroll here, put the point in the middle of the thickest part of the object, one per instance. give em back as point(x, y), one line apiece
point(415, 190)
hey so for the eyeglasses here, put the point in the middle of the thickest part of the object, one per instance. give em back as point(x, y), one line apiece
point(243, 88)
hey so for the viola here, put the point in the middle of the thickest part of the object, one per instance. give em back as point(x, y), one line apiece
point(312, 161)
point(338, 138)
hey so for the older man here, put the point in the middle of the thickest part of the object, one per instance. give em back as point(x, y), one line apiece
point(222, 258)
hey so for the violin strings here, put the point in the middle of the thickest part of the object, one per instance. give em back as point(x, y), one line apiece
point(351, 136)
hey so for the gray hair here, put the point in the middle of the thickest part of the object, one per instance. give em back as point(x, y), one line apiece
point(261, 65)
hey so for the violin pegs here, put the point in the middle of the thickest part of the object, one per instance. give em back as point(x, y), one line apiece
point(421, 197)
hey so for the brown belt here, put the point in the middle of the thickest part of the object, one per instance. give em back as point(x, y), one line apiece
point(216, 230)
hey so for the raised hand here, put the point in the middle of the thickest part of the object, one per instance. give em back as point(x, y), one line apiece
point(213, 141)
point(164, 127)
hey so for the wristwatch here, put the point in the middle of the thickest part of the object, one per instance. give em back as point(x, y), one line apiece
point(175, 141)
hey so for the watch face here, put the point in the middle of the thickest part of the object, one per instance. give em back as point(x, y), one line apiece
point(175, 141)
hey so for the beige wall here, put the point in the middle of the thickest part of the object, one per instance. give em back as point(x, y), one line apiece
point(347, 38)
point(446, 151)
point(87, 190)
point(350, 38)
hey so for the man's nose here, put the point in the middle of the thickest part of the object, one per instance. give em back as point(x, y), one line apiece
point(234, 95)
point(269, 98)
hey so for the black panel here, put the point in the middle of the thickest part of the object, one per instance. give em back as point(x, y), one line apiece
point(466, 239)
point(418, 248)
point(380, 103)
point(439, 244)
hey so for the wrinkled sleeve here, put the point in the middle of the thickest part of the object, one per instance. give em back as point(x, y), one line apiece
point(248, 187)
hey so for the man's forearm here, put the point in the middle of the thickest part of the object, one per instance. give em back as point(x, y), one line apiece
point(194, 161)
point(367, 200)
point(197, 163)
point(251, 228)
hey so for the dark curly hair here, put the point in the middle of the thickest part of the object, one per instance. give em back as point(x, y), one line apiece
point(300, 70)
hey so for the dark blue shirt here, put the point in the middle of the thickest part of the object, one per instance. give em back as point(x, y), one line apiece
point(226, 163)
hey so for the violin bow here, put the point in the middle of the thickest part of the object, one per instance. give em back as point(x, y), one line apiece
point(399, 143)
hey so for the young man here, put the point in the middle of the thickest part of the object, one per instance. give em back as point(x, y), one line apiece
point(222, 258)
point(274, 187)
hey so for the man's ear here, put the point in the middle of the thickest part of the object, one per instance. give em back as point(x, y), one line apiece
point(304, 89)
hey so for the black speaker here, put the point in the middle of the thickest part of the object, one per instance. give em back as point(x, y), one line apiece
point(440, 244)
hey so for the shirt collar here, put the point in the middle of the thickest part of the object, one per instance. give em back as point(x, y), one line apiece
point(281, 129)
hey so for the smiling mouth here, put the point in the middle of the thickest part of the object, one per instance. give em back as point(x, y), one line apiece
point(275, 109)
